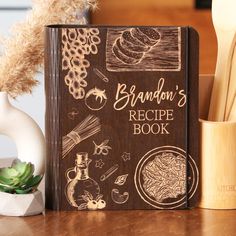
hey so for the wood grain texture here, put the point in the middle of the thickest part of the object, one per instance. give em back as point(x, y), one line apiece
point(149, 223)
point(154, 15)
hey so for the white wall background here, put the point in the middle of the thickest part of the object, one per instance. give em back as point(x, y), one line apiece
point(12, 11)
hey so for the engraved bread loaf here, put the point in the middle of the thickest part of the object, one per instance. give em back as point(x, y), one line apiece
point(133, 44)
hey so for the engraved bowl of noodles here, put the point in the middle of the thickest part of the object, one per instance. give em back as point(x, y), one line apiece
point(161, 179)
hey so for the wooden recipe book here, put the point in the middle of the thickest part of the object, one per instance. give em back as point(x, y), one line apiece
point(121, 117)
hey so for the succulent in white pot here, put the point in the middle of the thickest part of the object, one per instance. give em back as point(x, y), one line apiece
point(18, 190)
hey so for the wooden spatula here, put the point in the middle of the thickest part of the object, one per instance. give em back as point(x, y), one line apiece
point(231, 103)
point(224, 20)
point(231, 100)
point(232, 113)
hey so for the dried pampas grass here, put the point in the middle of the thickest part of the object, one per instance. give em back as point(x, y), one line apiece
point(23, 51)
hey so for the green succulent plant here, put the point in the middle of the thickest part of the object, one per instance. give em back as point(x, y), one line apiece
point(19, 178)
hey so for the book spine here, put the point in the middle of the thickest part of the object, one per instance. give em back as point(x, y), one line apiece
point(193, 113)
point(53, 143)
point(187, 112)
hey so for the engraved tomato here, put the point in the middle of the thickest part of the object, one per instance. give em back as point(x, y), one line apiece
point(95, 99)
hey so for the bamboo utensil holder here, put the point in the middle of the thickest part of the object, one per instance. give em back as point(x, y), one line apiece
point(218, 156)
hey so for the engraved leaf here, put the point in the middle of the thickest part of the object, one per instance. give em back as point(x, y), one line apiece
point(88, 195)
point(100, 196)
point(120, 180)
point(82, 206)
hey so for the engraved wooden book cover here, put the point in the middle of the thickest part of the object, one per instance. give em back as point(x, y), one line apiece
point(121, 117)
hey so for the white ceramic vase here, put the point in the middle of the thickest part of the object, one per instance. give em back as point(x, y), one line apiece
point(24, 131)
point(30, 144)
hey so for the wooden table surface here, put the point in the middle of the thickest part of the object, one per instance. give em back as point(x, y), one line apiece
point(190, 222)
point(121, 223)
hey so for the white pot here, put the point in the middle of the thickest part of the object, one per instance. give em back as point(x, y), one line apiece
point(21, 204)
point(24, 131)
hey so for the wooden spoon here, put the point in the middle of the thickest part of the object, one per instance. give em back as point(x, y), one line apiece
point(223, 14)
point(232, 113)
point(231, 101)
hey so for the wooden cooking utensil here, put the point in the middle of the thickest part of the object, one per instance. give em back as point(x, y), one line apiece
point(230, 113)
point(223, 14)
